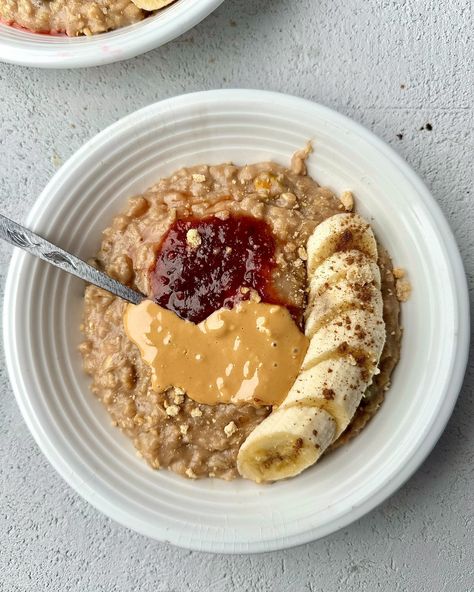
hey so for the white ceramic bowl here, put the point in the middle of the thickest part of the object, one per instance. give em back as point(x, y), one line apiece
point(43, 309)
point(19, 46)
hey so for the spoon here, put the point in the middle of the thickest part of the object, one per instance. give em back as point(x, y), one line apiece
point(19, 236)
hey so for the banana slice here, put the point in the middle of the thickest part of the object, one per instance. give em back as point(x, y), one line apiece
point(288, 441)
point(339, 298)
point(152, 4)
point(344, 322)
point(342, 232)
point(356, 332)
point(352, 265)
point(335, 385)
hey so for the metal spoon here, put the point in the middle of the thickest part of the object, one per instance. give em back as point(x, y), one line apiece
point(19, 236)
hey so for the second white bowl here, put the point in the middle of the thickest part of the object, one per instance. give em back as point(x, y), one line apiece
point(18, 46)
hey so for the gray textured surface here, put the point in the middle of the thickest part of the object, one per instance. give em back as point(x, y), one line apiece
point(353, 56)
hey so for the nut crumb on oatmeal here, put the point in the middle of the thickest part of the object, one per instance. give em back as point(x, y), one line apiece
point(347, 200)
point(196, 412)
point(398, 272)
point(193, 238)
point(172, 410)
point(230, 429)
point(302, 254)
point(403, 288)
point(183, 428)
point(255, 296)
point(298, 160)
point(199, 178)
point(190, 473)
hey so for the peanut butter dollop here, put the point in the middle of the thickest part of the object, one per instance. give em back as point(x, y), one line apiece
point(250, 354)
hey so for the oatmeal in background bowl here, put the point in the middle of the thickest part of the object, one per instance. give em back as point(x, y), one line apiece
point(175, 244)
point(76, 17)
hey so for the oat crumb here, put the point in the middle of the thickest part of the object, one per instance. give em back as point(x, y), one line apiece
point(199, 178)
point(347, 200)
point(403, 288)
point(398, 272)
point(222, 215)
point(196, 412)
point(302, 254)
point(230, 429)
point(193, 238)
point(255, 296)
point(359, 275)
point(298, 160)
point(172, 410)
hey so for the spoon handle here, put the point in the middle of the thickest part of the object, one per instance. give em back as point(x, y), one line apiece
point(19, 236)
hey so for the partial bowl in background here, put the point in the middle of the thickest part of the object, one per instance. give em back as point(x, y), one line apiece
point(18, 46)
point(43, 310)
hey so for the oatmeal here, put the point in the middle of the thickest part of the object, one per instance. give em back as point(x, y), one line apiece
point(73, 17)
point(169, 429)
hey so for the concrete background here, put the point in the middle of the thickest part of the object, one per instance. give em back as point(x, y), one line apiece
point(393, 66)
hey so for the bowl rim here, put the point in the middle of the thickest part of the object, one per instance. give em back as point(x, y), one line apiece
point(32, 49)
point(445, 235)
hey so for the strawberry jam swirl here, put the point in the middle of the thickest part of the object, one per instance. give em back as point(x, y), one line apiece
point(206, 264)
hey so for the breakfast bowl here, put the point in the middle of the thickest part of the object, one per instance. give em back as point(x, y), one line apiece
point(26, 48)
point(43, 308)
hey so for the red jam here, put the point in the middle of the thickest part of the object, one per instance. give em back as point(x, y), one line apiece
point(233, 256)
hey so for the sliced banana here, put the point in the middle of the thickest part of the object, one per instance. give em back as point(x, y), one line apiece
point(152, 4)
point(335, 385)
point(338, 299)
point(351, 265)
point(356, 332)
point(339, 233)
point(344, 322)
point(287, 442)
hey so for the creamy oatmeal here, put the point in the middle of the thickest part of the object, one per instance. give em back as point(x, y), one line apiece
point(74, 17)
point(169, 429)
